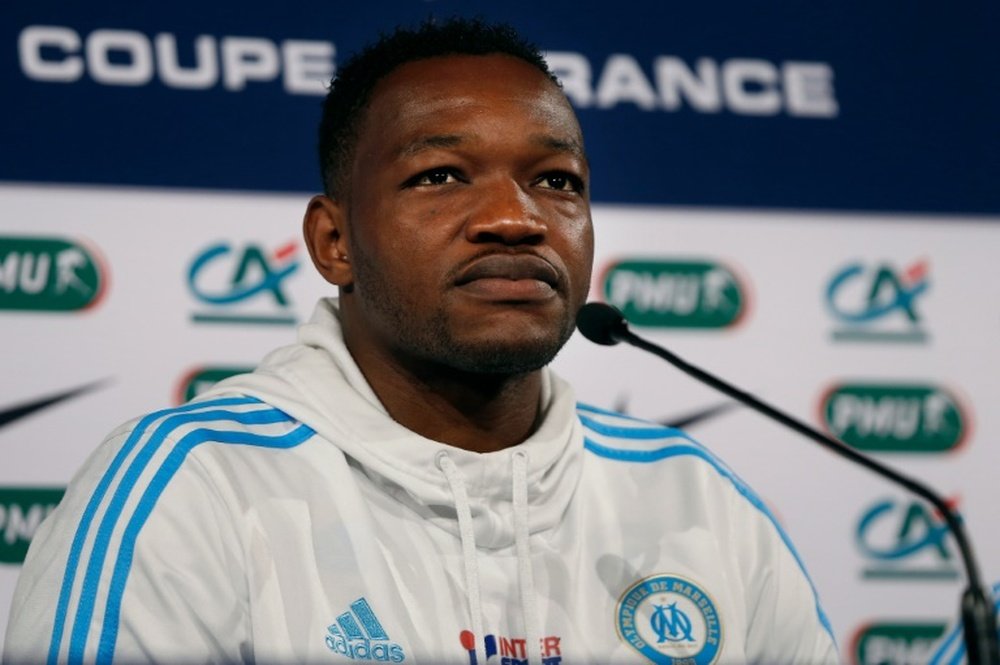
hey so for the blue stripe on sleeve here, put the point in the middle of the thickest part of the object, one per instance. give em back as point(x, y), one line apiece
point(69, 577)
point(85, 608)
point(635, 433)
point(170, 466)
point(647, 456)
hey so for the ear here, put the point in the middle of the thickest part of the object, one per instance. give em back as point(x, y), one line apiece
point(326, 235)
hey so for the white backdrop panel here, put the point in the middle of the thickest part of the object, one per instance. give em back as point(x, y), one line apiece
point(141, 338)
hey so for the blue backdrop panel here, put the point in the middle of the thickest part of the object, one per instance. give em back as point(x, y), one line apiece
point(914, 89)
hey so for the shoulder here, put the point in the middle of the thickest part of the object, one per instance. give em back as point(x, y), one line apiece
point(673, 466)
point(625, 438)
point(163, 440)
point(147, 459)
point(195, 442)
point(145, 467)
point(235, 419)
point(139, 506)
point(620, 438)
point(617, 438)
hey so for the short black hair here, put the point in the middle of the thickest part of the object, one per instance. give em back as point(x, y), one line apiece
point(351, 89)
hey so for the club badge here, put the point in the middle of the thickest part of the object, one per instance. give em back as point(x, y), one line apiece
point(670, 620)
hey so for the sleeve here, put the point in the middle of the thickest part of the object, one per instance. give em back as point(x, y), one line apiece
point(787, 623)
point(140, 562)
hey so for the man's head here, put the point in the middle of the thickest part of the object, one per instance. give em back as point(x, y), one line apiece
point(352, 88)
point(459, 229)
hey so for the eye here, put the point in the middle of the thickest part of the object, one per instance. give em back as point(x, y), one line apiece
point(561, 181)
point(432, 177)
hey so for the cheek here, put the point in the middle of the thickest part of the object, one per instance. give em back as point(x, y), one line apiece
point(407, 254)
point(580, 254)
point(579, 239)
point(396, 246)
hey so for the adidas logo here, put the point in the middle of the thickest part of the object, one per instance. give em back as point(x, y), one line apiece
point(359, 635)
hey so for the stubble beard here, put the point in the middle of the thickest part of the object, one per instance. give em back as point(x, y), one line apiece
point(428, 337)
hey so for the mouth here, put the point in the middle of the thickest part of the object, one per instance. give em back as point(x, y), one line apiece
point(510, 277)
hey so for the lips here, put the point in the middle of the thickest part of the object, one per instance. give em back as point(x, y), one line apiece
point(510, 278)
point(511, 267)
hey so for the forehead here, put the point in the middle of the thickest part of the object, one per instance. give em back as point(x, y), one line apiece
point(458, 93)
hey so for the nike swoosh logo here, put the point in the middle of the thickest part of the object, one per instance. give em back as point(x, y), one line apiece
point(18, 411)
point(694, 417)
point(688, 419)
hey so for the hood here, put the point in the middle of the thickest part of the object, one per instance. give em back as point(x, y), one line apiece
point(317, 381)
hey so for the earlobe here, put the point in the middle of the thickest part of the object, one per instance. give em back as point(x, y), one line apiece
point(326, 236)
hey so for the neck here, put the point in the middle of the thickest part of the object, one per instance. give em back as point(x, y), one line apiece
point(477, 412)
point(481, 413)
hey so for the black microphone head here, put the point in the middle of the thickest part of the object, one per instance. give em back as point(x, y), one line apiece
point(601, 324)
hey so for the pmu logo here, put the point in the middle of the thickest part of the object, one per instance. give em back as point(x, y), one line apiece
point(22, 509)
point(511, 650)
point(878, 303)
point(895, 643)
point(244, 284)
point(675, 294)
point(904, 540)
point(893, 418)
point(49, 274)
point(200, 379)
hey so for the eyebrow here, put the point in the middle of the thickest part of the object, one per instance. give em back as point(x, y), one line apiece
point(548, 141)
point(429, 143)
point(571, 146)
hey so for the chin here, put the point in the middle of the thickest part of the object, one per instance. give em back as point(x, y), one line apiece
point(504, 356)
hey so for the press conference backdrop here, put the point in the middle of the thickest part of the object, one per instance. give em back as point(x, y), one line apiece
point(799, 196)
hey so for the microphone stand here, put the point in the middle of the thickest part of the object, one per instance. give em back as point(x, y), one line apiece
point(978, 616)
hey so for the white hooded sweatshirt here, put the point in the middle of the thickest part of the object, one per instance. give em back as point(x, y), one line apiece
point(285, 517)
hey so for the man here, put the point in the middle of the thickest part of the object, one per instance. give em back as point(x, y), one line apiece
point(408, 483)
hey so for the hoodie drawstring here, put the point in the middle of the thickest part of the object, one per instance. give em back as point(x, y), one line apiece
point(525, 573)
point(468, 536)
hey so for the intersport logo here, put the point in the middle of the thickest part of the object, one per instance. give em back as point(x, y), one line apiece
point(49, 274)
point(895, 643)
point(675, 294)
point(22, 510)
point(198, 380)
point(895, 418)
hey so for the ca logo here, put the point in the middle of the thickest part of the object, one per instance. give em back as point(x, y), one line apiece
point(245, 285)
point(878, 303)
point(904, 539)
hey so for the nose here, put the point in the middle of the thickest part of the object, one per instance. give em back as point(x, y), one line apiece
point(505, 213)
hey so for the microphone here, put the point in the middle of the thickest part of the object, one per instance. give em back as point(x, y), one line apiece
point(605, 325)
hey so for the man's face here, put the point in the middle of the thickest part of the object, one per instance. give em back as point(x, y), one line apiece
point(468, 217)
